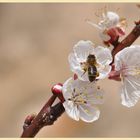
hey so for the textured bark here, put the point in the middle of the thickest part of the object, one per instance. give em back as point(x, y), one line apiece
point(134, 34)
point(45, 117)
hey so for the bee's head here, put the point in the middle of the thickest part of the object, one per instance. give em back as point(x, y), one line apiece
point(91, 58)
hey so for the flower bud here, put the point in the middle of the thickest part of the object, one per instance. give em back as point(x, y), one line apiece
point(28, 120)
point(57, 91)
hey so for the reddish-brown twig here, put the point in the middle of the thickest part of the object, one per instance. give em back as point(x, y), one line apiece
point(134, 34)
point(46, 116)
point(118, 46)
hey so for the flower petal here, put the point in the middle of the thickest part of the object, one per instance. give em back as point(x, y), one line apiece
point(104, 71)
point(76, 67)
point(71, 110)
point(131, 53)
point(126, 61)
point(88, 113)
point(82, 49)
point(130, 92)
point(67, 88)
point(74, 64)
point(113, 18)
point(103, 55)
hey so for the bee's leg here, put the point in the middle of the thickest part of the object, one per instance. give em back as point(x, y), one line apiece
point(85, 68)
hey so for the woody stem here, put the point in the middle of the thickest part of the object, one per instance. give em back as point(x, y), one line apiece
point(132, 36)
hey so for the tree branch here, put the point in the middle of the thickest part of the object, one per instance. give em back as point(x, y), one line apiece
point(45, 117)
point(134, 34)
point(118, 46)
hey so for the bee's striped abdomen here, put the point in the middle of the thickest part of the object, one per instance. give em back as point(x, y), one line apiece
point(92, 73)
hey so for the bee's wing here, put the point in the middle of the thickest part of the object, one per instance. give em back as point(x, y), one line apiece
point(130, 90)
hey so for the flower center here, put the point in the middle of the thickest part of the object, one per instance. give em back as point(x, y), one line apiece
point(77, 98)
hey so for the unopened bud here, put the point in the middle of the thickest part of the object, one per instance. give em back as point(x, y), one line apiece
point(57, 91)
point(28, 120)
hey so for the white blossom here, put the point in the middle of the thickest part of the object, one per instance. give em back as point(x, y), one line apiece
point(81, 99)
point(78, 58)
point(110, 20)
point(128, 65)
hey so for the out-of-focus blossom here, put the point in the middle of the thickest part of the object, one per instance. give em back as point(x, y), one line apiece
point(78, 60)
point(81, 99)
point(111, 27)
point(127, 64)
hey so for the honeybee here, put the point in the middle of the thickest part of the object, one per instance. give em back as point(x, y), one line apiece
point(90, 67)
